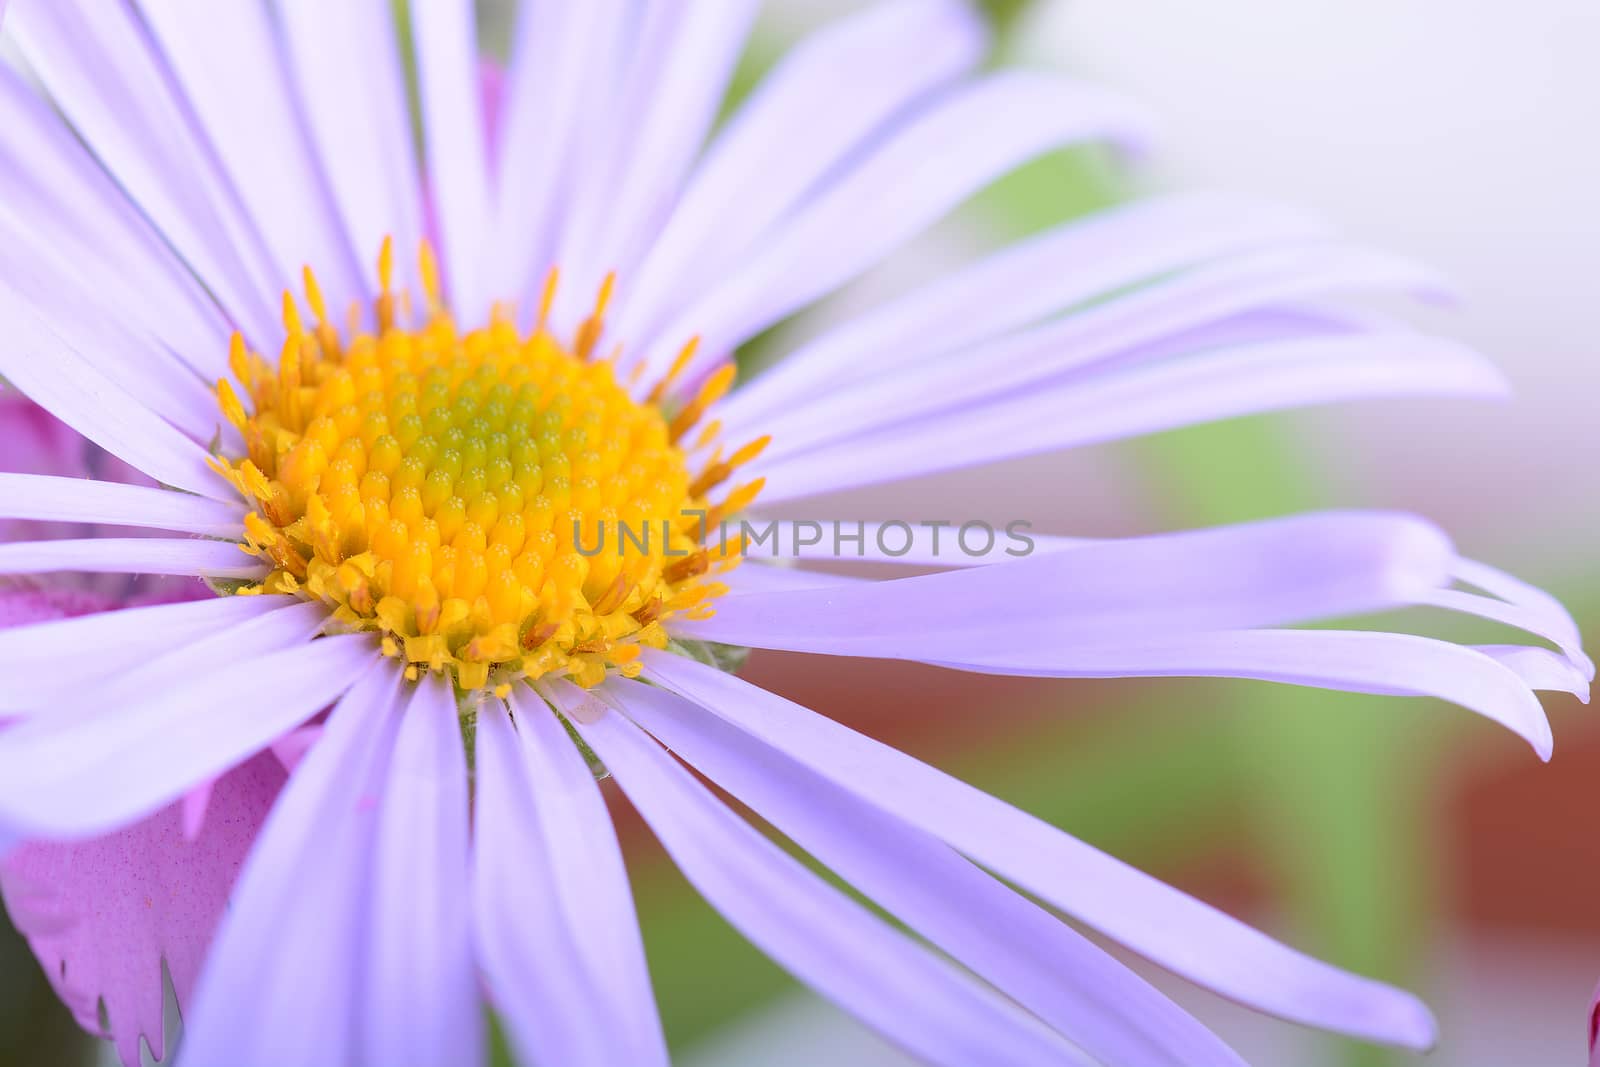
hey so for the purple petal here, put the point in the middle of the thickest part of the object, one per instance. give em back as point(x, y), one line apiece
point(550, 90)
point(103, 915)
point(1258, 574)
point(88, 769)
point(1083, 344)
point(1090, 998)
point(557, 936)
point(589, 871)
point(870, 970)
point(1021, 285)
point(50, 658)
point(136, 361)
point(823, 100)
point(40, 363)
point(107, 78)
point(227, 61)
point(346, 69)
point(976, 134)
point(60, 199)
point(678, 84)
point(1205, 387)
point(293, 942)
point(1180, 933)
point(1352, 661)
point(421, 1005)
point(45, 498)
point(134, 555)
point(445, 33)
point(1540, 669)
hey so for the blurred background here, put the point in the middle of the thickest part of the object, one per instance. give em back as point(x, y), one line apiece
point(1398, 838)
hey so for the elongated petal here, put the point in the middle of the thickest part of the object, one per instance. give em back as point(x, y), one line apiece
point(104, 915)
point(421, 1005)
point(1023, 283)
point(1112, 333)
point(1174, 930)
point(976, 135)
point(42, 364)
point(1258, 574)
point(911, 996)
point(1089, 997)
point(137, 555)
point(229, 62)
point(44, 498)
point(548, 923)
point(54, 192)
point(345, 66)
point(1203, 388)
point(684, 77)
point(549, 94)
point(135, 360)
point(104, 73)
point(590, 874)
point(51, 658)
point(1351, 660)
point(1540, 669)
point(95, 768)
point(1522, 605)
point(445, 33)
point(823, 100)
point(304, 894)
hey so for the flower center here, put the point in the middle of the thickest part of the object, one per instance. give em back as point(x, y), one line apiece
point(496, 503)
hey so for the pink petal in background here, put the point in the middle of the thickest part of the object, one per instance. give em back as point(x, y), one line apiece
point(103, 915)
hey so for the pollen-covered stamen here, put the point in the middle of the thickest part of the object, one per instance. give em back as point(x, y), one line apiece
point(495, 503)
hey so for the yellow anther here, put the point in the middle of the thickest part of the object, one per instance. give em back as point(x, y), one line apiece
point(714, 389)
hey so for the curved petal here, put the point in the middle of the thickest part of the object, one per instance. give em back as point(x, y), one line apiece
point(103, 915)
point(1160, 923)
point(93, 768)
point(1354, 661)
point(557, 936)
point(1022, 284)
point(1083, 344)
point(133, 555)
point(1257, 574)
point(827, 95)
point(44, 498)
point(975, 135)
point(420, 1002)
point(1090, 998)
point(1540, 669)
point(1203, 387)
point(303, 895)
point(914, 998)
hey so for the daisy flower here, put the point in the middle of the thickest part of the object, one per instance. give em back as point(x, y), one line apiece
point(385, 466)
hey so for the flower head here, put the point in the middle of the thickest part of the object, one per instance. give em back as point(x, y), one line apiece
point(390, 479)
